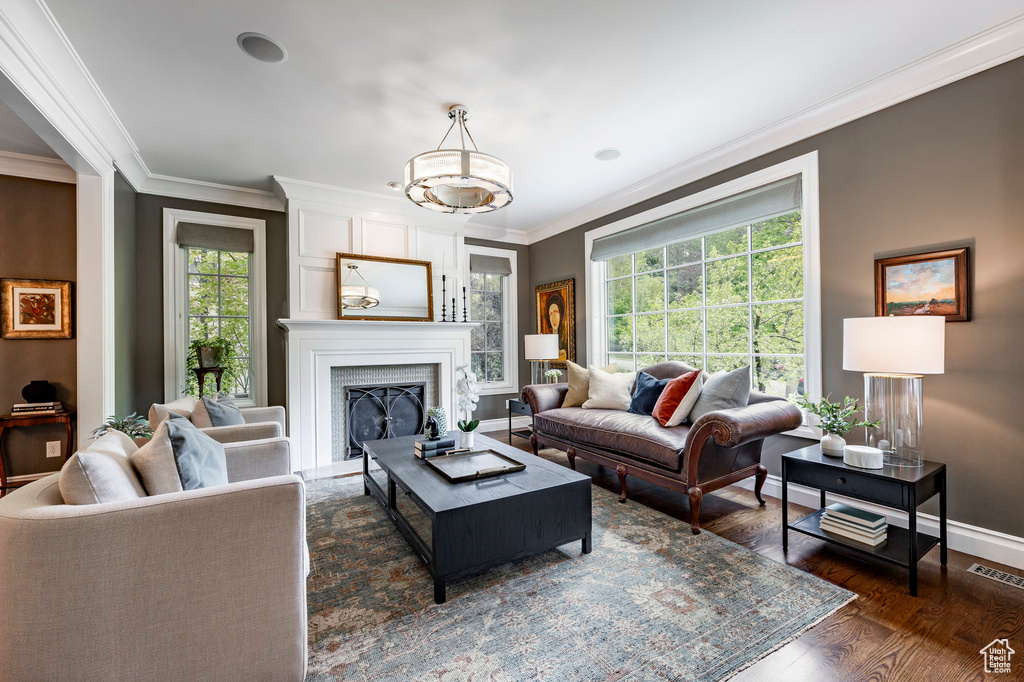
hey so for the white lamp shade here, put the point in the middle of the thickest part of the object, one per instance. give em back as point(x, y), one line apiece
point(541, 346)
point(897, 345)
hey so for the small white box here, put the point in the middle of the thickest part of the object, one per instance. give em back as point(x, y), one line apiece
point(862, 457)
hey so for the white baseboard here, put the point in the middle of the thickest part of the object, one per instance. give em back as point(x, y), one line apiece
point(979, 542)
point(501, 423)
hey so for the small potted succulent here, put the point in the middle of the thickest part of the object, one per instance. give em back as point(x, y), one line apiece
point(836, 420)
point(468, 395)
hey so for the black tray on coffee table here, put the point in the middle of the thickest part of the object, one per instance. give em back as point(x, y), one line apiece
point(459, 466)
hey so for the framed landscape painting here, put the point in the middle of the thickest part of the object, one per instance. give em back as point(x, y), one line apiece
point(935, 283)
point(35, 309)
point(556, 314)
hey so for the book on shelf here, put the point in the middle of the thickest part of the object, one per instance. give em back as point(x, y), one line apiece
point(46, 410)
point(858, 517)
point(52, 403)
point(841, 523)
point(440, 444)
point(856, 536)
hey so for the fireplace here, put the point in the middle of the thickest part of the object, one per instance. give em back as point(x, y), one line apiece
point(319, 349)
point(378, 412)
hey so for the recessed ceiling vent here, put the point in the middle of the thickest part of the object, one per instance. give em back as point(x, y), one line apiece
point(263, 48)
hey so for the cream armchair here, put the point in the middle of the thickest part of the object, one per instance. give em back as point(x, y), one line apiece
point(200, 585)
point(260, 422)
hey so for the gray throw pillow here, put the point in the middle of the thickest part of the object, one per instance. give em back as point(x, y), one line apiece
point(199, 459)
point(180, 457)
point(722, 391)
point(223, 411)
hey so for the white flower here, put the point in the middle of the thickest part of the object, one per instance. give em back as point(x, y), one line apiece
point(466, 390)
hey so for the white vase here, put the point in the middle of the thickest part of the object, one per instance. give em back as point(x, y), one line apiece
point(832, 444)
point(466, 439)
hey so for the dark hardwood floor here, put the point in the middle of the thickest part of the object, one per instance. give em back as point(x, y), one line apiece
point(885, 634)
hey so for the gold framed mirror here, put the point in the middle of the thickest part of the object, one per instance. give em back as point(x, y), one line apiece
point(378, 288)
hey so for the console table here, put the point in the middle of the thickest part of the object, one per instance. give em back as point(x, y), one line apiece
point(902, 488)
point(518, 407)
point(9, 421)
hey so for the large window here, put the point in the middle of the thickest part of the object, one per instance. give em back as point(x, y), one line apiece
point(719, 280)
point(717, 301)
point(492, 305)
point(219, 296)
point(215, 287)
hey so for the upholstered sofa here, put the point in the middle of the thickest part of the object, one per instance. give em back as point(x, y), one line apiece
point(205, 584)
point(720, 448)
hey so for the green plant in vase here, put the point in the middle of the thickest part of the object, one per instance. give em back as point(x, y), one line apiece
point(836, 420)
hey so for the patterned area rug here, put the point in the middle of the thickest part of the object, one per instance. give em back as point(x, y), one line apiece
point(652, 602)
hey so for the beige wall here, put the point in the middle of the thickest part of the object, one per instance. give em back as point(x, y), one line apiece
point(943, 169)
point(37, 241)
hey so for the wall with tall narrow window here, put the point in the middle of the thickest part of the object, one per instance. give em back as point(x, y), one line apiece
point(943, 169)
point(149, 304)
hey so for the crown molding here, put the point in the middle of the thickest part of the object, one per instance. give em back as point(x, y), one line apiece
point(37, 167)
point(982, 51)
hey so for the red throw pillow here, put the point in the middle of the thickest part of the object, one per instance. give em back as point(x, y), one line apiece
point(676, 393)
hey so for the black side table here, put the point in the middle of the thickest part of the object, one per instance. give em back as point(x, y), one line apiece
point(518, 407)
point(902, 488)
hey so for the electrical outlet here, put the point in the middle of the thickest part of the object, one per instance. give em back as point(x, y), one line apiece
point(53, 448)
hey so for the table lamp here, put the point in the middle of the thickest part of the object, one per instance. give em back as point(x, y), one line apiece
point(539, 349)
point(894, 353)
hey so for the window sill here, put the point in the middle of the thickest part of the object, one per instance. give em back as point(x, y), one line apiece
point(811, 432)
point(497, 389)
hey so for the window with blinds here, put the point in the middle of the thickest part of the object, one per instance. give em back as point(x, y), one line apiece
point(718, 287)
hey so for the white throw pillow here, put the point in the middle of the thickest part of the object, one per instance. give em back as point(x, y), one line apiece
point(183, 406)
point(579, 383)
point(609, 391)
point(101, 473)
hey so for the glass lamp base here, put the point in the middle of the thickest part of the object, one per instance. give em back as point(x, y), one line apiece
point(537, 369)
point(897, 401)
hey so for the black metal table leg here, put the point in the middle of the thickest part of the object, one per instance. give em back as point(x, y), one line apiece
point(440, 593)
point(912, 528)
point(942, 516)
point(785, 506)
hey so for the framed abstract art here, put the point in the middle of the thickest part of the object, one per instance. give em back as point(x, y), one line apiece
point(35, 309)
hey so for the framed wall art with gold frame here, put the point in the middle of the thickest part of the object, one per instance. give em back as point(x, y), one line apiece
point(556, 314)
point(35, 309)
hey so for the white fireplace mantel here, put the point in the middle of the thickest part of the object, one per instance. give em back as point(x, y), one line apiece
point(315, 346)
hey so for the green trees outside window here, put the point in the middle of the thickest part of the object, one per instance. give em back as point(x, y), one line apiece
point(718, 301)
point(218, 306)
point(487, 345)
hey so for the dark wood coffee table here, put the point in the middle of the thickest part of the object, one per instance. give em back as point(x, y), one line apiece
point(463, 528)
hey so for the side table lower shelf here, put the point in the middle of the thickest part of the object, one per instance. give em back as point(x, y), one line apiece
point(895, 550)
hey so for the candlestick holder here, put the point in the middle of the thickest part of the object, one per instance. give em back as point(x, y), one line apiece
point(465, 310)
point(444, 313)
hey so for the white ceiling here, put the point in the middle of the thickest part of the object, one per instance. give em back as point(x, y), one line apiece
point(548, 83)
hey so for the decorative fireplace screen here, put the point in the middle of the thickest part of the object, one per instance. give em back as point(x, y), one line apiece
point(379, 411)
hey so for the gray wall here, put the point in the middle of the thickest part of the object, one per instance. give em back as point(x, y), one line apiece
point(943, 169)
point(493, 406)
point(38, 240)
point(124, 297)
point(149, 340)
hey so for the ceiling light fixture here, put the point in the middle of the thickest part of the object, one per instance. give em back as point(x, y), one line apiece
point(458, 180)
point(357, 296)
point(607, 154)
point(261, 47)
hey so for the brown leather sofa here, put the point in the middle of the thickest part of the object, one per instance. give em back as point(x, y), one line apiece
point(721, 448)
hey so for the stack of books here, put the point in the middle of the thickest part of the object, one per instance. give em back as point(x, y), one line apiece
point(854, 524)
point(431, 448)
point(37, 409)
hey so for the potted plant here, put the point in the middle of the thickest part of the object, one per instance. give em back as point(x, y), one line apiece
point(134, 426)
point(468, 395)
point(836, 420)
point(208, 352)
